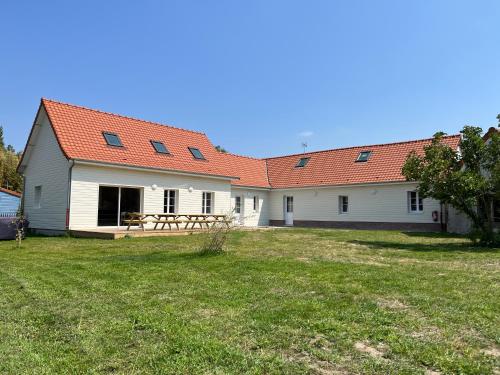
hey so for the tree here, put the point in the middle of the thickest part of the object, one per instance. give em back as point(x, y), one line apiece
point(467, 179)
point(221, 149)
point(9, 160)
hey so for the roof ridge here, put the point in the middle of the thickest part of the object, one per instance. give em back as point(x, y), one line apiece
point(362, 146)
point(121, 116)
point(242, 156)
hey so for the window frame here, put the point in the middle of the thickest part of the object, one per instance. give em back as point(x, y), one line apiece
point(204, 200)
point(237, 204)
point(194, 151)
point(106, 134)
point(302, 162)
point(167, 196)
point(256, 203)
point(361, 159)
point(37, 197)
point(154, 143)
point(419, 202)
point(343, 204)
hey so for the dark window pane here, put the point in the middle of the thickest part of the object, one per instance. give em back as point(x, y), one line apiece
point(196, 153)
point(159, 147)
point(363, 156)
point(112, 139)
point(302, 162)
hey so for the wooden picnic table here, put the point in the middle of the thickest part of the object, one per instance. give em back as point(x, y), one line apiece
point(174, 219)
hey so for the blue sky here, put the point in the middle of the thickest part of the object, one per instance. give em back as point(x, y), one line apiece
point(259, 77)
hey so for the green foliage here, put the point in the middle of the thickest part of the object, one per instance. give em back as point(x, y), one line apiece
point(9, 159)
point(221, 149)
point(468, 179)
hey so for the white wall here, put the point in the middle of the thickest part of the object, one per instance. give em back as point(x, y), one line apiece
point(252, 218)
point(48, 168)
point(85, 191)
point(380, 203)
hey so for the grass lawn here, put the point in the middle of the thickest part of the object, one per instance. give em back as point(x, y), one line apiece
point(283, 301)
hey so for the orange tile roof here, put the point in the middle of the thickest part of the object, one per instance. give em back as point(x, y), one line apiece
point(11, 192)
point(339, 166)
point(252, 171)
point(79, 133)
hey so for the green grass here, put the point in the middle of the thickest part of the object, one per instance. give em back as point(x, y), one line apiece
point(284, 301)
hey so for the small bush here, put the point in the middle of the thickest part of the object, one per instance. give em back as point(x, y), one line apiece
point(215, 238)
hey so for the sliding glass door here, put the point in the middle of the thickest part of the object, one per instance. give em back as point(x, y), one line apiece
point(115, 203)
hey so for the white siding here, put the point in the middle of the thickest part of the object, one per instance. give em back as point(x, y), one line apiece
point(252, 218)
point(46, 167)
point(380, 203)
point(85, 191)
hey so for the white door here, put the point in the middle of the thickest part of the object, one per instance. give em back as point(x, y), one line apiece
point(288, 210)
point(238, 210)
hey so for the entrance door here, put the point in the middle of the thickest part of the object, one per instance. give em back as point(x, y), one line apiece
point(238, 210)
point(115, 203)
point(130, 201)
point(288, 210)
point(107, 214)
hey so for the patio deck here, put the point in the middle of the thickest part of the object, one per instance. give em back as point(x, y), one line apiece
point(114, 234)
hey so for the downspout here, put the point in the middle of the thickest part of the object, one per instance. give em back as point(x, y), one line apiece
point(70, 172)
point(22, 196)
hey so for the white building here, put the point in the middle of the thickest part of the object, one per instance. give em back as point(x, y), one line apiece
point(85, 169)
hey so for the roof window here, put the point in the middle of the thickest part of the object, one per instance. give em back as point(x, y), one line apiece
point(112, 139)
point(160, 147)
point(363, 156)
point(196, 153)
point(302, 162)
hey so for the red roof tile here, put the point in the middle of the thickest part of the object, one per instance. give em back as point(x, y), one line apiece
point(339, 166)
point(252, 172)
point(79, 133)
point(11, 192)
point(80, 130)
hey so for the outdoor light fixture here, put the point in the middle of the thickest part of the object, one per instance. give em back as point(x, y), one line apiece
point(154, 186)
point(190, 189)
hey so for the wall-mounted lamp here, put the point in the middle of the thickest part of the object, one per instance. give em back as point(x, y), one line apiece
point(154, 186)
point(190, 189)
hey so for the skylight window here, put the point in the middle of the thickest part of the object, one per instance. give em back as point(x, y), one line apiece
point(112, 139)
point(302, 162)
point(160, 147)
point(363, 156)
point(196, 153)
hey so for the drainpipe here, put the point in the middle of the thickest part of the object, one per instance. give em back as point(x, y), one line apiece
point(70, 172)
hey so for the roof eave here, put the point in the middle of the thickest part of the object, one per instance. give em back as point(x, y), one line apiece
point(162, 170)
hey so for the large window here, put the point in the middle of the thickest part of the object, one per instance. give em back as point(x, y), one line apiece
point(343, 204)
point(415, 202)
point(170, 202)
point(38, 197)
point(207, 202)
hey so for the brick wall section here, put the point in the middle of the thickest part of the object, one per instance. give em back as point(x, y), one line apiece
point(414, 227)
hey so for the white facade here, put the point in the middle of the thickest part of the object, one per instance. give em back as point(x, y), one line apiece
point(370, 203)
point(46, 178)
point(86, 180)
point(254, 206)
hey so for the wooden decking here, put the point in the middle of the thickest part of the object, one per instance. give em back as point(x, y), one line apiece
point(114, 234)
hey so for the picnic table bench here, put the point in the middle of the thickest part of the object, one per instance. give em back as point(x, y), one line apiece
point(170, 220)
